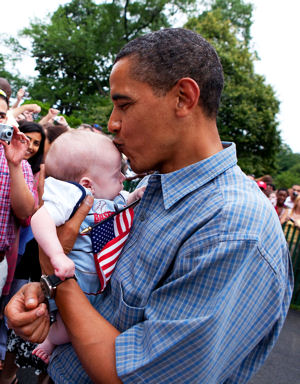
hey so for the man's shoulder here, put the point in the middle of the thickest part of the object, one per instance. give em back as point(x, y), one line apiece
point(242, 208)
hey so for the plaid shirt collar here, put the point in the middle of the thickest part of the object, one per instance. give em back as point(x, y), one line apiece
point(194, 176)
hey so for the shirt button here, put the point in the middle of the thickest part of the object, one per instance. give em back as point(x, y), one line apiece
point(142, 216)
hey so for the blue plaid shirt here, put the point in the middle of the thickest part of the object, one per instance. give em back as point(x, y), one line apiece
point(203, 285)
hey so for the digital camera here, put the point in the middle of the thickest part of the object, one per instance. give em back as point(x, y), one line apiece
point(6, 132)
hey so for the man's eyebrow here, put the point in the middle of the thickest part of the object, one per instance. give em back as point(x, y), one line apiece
point(118, 96)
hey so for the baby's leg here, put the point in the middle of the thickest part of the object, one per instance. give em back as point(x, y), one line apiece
point(57, 335)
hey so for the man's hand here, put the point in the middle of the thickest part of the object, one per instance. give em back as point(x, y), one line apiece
point(68, 233)
point(15, 151)
point(27, 314)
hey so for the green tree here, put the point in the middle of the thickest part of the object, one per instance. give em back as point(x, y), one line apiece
point(288, 178)
point(9, 59)
point(286, 159)
point(239, 13)
point(75, 50)
point(248, 106)
point(288, 167)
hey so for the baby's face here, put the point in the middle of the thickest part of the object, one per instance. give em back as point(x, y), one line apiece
point(108, 180)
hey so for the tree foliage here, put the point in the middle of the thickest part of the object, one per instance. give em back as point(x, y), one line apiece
point(248, 106)
point(239, 13)
point(288, 168)
point(13, 76)
point(75, 50)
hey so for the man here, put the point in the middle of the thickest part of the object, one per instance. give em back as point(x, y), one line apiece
point(203, 284)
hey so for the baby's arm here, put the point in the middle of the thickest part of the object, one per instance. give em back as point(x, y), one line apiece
point(44, 230)
point(135, 195)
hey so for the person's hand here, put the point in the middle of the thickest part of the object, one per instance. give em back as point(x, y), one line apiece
point(15, 151)
point(63, 266)
point(27, 314)
point(136, 195)
point(63, 121)
point(34, 108)
point(20, 94)
point(68, 233)
point(53, 112)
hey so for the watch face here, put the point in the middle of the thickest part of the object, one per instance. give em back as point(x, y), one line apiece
point(46, 287)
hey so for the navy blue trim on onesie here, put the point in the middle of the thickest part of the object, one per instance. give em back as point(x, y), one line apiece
point(83, 191)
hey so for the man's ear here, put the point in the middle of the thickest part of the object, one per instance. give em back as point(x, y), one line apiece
point(86, 182)
point(188, 94)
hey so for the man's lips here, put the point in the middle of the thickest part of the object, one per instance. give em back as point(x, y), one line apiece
point(119, 146)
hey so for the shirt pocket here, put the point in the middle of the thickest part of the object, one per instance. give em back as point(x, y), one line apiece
point(126, 315)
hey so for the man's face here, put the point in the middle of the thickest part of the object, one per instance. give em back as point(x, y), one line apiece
point(3, 110)
point(281, 197)
point(142, 122)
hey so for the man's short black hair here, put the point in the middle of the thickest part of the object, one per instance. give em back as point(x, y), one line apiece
point(164, 57)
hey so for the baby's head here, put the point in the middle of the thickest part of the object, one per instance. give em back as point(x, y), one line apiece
point(89, 159)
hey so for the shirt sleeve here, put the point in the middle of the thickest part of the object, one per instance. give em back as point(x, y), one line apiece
point(60, 199)
point(220, 336)
point(28, 176)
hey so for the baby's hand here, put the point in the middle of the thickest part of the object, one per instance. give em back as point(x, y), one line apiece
point(135, 195)
point(63, 266)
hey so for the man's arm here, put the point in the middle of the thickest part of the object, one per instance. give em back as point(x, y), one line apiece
point(26, 311)
point(92, 337)
point(44, 231)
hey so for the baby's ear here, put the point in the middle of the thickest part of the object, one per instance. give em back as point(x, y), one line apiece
point(86, 182)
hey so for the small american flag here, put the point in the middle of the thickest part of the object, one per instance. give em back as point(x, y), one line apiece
point(108, 240)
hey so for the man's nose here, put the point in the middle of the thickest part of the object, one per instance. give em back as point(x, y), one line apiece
point(114, 123)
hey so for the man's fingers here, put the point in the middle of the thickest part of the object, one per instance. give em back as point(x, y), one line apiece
point(17, 318)
point(37, 331)
point(68, 232)
point(82, 211)
point(27, 314)
point(25, 306)
point(33, 295)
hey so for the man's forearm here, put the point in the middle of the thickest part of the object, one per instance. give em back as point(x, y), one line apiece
point(92, 337)
point(22, 201)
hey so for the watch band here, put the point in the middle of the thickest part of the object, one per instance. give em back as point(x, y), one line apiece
point(50, 282)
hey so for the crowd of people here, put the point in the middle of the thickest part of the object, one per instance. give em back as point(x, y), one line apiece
point(190, 284)
point(286, 201)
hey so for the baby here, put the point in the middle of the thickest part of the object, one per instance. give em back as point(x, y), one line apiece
point(81, 162)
